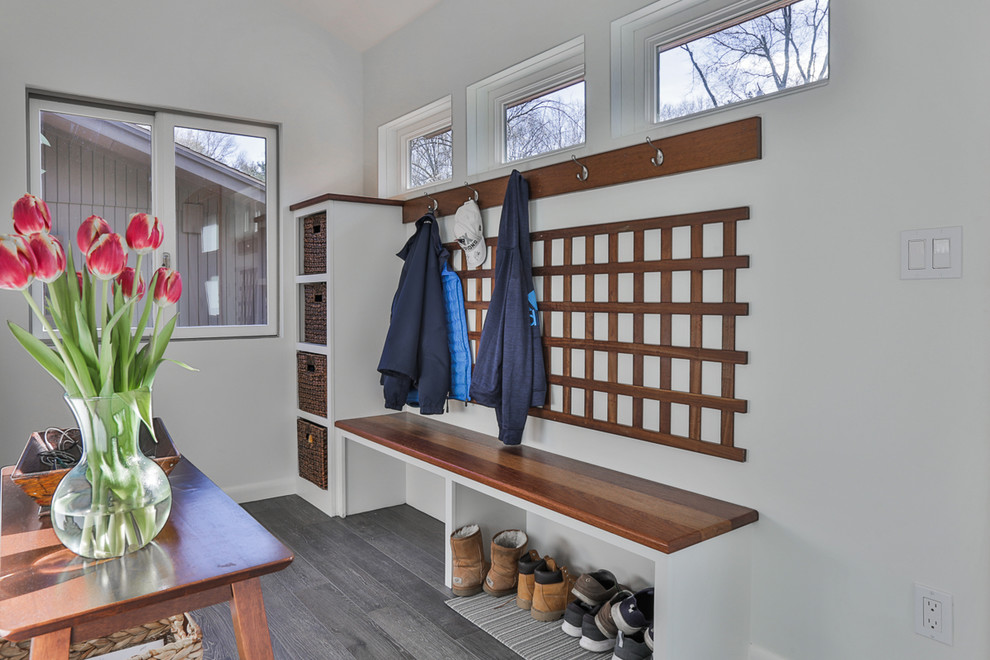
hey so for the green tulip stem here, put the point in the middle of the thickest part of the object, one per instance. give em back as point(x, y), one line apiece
point(103, 306)
point(158, 323)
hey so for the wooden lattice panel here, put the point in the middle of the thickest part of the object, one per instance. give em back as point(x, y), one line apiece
point(639, 326)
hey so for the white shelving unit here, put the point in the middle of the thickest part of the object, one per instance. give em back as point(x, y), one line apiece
point(362, 237)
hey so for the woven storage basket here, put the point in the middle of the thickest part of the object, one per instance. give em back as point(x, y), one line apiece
point(183, 641)
point(311, 370)
point(315, 244)
point(315, 313)
point(311, 441)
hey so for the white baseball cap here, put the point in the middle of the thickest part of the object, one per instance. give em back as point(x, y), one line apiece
point(469, 234)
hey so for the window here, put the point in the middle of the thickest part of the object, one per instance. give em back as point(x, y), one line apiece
point(549, 122)
point(430, 158)
point(212, 183)
point(676, 61)
point(416, 149)
point(780, 49)
point(534, 108)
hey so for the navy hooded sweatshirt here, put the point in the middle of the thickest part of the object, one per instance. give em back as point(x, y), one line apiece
point(509, 375)
point(416, 353)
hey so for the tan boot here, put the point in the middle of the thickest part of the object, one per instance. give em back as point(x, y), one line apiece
point(507, 547)
point(468, 566)
point(551, 591)
point(528, 563)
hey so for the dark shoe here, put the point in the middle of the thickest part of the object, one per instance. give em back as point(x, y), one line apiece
point(597, 587)
point(574, 617)
point(528, 564)
point(604, 619)
point(592, 638)
point(648, 636)
point(631, 647)
point(635, 612)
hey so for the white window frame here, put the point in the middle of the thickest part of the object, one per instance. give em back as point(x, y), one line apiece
point(163, 193)
point(637, 37)
point(393, 145)
point(488, 99)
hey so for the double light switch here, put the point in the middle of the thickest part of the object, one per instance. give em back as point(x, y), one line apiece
point(931, 253)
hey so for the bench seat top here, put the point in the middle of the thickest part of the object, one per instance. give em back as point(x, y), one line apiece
point(652, 514)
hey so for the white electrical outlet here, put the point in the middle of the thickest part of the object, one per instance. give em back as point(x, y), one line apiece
point(933, 614)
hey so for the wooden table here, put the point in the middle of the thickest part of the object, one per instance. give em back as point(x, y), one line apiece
point(210, 551)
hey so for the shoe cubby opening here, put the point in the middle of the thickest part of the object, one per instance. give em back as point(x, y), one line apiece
point(581, 552)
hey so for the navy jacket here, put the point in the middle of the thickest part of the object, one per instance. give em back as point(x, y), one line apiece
point(416, 353)
point(509, 374)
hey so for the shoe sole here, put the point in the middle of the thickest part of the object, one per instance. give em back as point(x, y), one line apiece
point(570, 629)
point(498, 592)
point(588, 600)
point(589, 644)
point(523, 604)
point(466, 591)
point(540, 615)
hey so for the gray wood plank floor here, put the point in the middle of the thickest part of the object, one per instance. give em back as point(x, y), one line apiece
point(369, 586)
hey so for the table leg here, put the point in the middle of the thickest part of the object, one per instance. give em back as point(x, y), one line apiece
point(247, 609)
point(52, 645)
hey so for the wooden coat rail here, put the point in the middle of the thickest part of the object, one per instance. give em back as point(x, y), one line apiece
point(735, 142)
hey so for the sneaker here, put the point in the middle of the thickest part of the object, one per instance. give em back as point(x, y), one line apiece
point(604, 619)
point(635, 612)
point(574, 617)
point(648, 636)
point(631, 647)
point(595, 588)
point(592, 638)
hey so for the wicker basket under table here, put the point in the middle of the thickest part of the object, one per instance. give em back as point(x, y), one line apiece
point(183, 641)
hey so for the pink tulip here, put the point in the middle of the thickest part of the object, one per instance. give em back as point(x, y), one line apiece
point(31, 216)
point(126, 282)
point(106, 258)
point(168, 287)
point(49, 256)
point(144, 233)
point(17, 263)
point(91, 229)
point(79, 280)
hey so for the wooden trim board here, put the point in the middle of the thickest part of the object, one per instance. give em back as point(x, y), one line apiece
point(735, 142)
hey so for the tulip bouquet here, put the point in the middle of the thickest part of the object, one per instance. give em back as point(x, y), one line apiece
point(97, 355)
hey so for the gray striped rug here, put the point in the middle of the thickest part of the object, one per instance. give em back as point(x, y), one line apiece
point(532, 639)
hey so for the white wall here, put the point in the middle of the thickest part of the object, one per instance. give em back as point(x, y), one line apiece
point(868, 423)
point(237, 58)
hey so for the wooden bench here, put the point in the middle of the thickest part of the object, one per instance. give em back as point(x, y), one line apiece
point(661, 517)
point(700, 571)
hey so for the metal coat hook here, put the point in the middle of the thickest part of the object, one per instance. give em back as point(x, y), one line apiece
point(468, 186)
point(658, 159)
point(433, 208)
point(583, 176)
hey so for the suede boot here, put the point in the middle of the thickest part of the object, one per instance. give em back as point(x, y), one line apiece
point(507, 547)
point(528, 563)
point(469, 567)
point(551, 591)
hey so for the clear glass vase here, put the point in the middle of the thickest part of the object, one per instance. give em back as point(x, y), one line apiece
point(115, 500)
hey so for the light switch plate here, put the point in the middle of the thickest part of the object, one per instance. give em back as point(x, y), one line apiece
point(929, 254)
